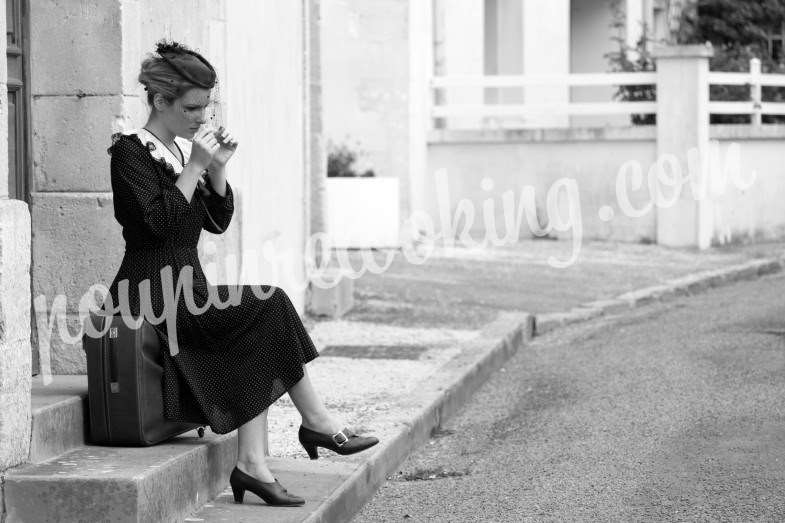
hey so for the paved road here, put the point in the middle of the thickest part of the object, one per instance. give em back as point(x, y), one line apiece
point(671, 412)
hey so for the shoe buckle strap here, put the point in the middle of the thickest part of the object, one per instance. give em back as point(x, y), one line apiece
point(335, 438)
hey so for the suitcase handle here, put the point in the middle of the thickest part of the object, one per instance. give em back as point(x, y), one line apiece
point(114, 384)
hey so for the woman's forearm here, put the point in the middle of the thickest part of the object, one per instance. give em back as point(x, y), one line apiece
point(217, 176)
point(188, 179)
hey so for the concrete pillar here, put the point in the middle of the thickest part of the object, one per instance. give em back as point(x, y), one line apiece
point(317, 154)
point(15, 354)
point(462, 51)
point(546, 52)
point(682, 126)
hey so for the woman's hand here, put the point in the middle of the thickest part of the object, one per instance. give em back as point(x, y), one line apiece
point(203, 149)
point(228, 145)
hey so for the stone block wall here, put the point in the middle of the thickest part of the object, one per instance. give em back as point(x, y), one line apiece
point(15, 357)
point(85, 62)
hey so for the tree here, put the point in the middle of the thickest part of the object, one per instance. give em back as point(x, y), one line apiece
point(738, 31)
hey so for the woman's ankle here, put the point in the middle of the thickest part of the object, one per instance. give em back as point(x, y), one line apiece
point(257, 469)
point(324, 423)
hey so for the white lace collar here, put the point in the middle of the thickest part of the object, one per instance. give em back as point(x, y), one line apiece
point(161, 152)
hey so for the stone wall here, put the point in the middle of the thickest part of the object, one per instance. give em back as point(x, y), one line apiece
point(75, 57)
point(15, 362)
point(85, 61)
point(740, 213)
point(514, 160)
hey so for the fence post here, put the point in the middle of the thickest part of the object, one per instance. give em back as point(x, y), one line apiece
point(756, 91)
point(682, 132)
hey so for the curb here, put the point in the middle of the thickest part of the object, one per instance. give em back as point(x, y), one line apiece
point(481, 357)
point(684, 286)
point(428, 406)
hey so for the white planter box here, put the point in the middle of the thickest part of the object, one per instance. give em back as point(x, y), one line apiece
point(363, 212)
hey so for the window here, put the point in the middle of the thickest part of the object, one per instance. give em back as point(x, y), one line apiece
point(16, 46)
point(775, 41)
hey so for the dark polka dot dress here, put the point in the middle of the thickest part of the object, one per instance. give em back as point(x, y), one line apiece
point(232, 362)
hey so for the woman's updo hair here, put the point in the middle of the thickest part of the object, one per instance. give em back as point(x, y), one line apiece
point(173, 70)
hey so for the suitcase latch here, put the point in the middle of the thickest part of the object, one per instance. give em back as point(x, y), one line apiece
point(114, 387)
point(112, 332)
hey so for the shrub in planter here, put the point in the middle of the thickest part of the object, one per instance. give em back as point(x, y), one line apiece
point(341, 162)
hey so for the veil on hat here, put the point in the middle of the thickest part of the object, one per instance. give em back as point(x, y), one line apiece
point(188, 63)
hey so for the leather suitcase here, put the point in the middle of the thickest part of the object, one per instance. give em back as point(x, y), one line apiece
point(124, 385)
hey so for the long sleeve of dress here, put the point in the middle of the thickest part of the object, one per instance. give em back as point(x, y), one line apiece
point(221, 208)
point(139, 195)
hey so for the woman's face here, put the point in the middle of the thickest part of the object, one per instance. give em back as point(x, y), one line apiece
point(185, 114)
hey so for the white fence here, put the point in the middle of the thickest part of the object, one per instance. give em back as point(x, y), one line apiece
point(754, 107)
point(533, 109)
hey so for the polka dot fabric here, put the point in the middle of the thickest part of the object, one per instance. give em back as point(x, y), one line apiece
point(232, 362)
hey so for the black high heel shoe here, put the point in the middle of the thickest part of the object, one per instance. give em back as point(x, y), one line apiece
point(272, 493)
point(343, 442)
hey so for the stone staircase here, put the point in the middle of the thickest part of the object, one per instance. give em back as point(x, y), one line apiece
point(69, 480)
point(183, 479)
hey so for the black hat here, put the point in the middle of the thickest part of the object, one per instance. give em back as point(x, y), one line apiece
point(189, 64)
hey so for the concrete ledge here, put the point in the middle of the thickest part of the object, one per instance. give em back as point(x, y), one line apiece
point(684, 286)
point(552, 320)
point(747, 132)
point(683, 51)
point(645, 295)
point(584, 313)
point(549, 321)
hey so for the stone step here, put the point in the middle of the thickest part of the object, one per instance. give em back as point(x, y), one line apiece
point(164, 482)
point(315, 481)
point(59, 416)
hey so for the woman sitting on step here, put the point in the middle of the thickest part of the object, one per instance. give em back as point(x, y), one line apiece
point(231, 363)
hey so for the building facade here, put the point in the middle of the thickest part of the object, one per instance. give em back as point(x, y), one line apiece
point(70, 72)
